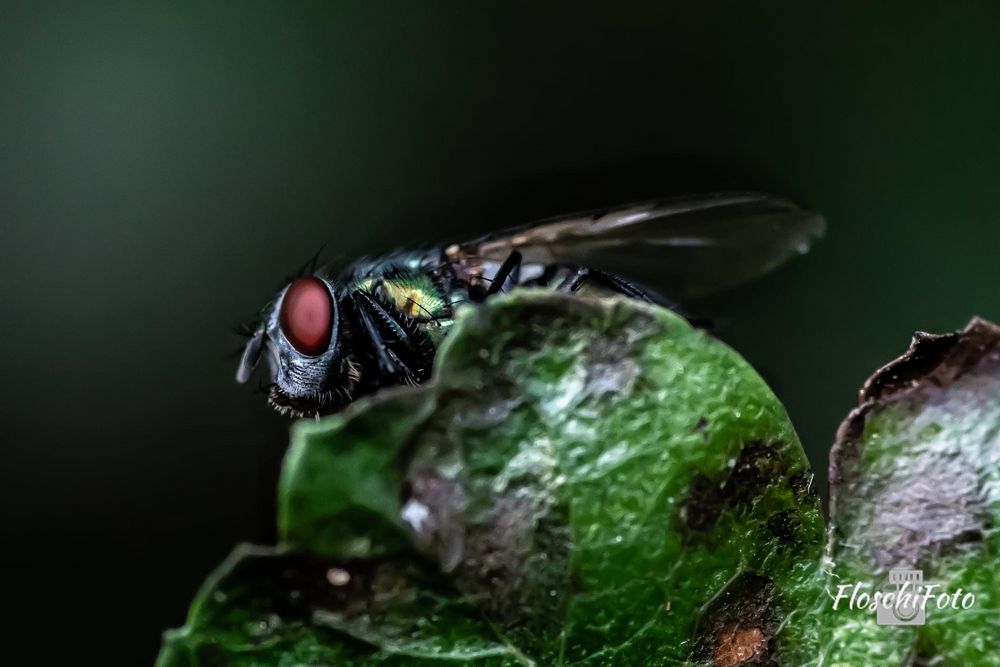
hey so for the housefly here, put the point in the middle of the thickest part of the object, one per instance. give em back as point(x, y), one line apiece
point(329, 337)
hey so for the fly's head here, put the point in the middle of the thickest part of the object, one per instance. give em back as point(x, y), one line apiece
point(299, 337)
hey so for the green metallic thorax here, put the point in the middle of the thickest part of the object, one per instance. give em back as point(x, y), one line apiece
point(416, 284)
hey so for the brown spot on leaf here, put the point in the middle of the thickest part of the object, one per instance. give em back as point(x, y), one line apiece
point(784, 525)
point(802, 486)
point(756, 466)
point(702, 506)
point(738, 646)
point(738, 626)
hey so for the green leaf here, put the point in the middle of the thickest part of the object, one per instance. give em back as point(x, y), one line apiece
point(915, 484)
point(264, 606)
point(602, 482)
point(347, 505)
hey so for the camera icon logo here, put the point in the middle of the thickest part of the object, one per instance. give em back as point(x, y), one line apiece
point(905, 605)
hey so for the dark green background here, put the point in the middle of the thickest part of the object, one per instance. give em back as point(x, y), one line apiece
point(162, 168)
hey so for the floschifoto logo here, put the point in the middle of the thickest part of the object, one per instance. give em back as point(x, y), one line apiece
point(904, 601)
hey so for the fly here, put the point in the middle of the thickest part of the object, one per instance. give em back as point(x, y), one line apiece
point(330, 337)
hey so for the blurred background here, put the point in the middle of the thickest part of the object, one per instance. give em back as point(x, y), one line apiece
point(163, 168)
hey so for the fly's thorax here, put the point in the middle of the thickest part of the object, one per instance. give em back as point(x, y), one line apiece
point(411, 288)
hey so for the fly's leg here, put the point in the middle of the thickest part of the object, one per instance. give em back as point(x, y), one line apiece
point(609, 281)
point(386, 363)
point(511, 268)
point(612, 282)
point(402, 352)
point(546, 278)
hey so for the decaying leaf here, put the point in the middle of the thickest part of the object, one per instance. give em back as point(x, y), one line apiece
point(915, 484)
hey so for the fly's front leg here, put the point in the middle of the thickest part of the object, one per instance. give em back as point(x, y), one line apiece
point(386, 363)
point(403, 352)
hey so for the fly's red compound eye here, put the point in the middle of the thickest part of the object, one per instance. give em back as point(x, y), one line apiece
point(307, 315)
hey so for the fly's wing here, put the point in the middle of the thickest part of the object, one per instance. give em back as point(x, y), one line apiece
point(687, 247)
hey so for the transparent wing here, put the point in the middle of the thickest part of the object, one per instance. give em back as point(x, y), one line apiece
point(686, 247)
